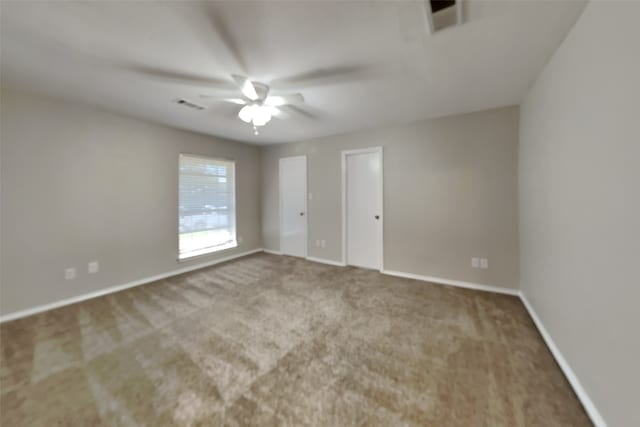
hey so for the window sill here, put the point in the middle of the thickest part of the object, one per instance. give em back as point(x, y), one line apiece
point(204, 252)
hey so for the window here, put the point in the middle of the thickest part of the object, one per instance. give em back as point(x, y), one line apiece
point(207, 205)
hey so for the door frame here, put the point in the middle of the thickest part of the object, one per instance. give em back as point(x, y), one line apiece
point(306, 209)
point(345, 153)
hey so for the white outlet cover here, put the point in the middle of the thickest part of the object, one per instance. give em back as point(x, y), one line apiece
point(484, 263)
point(475, 262)
point(70, 273)
point(93, 267)
point(324, 243)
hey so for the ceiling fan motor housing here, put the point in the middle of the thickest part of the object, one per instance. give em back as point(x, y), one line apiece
point(261, 89)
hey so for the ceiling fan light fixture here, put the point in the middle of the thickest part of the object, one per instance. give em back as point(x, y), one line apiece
point(257, 114)
point(258, 107)
point(246, 113)
point(261, 115)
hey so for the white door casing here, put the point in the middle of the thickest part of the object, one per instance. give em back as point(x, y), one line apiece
point(293, 206)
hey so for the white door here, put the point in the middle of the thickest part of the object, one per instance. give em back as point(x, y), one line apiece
point(293, 206)
point(363, 207)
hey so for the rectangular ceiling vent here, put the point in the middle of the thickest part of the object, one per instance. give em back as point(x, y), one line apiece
point(442, 14)
point(189, 104)
point(438, 5)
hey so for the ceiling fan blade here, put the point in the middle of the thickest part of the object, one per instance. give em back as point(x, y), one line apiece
point(276, 112)
point(176, 77)
point(306, 112)
point(331, 76)
point(245, 86)
point(212, 26)
point(238, 101)
point(276, 101)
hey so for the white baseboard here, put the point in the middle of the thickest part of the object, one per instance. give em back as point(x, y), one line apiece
point(459, 283)
point(587, 403)
point(268, 251)
point(309, 258)
point(112, 289)
point(325, 261)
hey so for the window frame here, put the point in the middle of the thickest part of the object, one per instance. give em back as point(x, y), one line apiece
point(209, 251)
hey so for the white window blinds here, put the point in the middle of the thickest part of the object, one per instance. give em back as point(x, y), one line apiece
point(207, 211)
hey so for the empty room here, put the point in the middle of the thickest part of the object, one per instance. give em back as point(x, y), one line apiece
point(319, 213)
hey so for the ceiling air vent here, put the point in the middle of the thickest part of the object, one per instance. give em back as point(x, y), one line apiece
point(442, 14)
point(438, 5)
point(186, 103)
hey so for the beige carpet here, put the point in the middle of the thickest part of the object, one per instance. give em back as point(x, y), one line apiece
point(268, 340)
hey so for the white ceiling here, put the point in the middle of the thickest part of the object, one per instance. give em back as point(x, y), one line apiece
point(359, 64)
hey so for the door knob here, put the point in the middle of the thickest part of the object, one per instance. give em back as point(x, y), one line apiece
point(301, 213)
point(377, 216)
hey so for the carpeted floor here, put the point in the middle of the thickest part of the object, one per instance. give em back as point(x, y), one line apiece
point(268, 340)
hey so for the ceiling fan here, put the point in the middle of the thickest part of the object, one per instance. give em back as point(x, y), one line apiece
point(258, 105)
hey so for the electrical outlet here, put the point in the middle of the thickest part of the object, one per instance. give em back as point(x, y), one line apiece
point(323, 243)
point(484, 263)
point(475, 262)
point(69, 273)
point(93, 267)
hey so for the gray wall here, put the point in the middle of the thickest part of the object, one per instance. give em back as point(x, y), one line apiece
point(580, 204)
point(80, 185)
point(450, 188)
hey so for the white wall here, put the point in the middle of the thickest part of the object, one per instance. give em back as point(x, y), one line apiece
point(580, 204)
point(79, 184)
point(450, 190)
